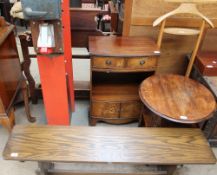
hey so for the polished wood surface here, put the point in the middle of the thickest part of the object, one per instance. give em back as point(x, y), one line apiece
point(154, 146)
point(123, 46)
point(118, 66)
point(114, 64)
point(177, 98)
point(206, 62)
point(11, 79)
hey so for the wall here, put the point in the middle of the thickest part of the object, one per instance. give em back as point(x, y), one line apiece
point(140, 15)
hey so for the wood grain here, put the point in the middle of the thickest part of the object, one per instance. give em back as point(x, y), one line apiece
point(118, 66)
point(177, 98)
point(154, 146)
point(172, 59)
point(122, 46)
point(127, 17)
point(114, 64)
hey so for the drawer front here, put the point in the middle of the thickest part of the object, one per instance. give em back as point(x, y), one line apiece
point(107, 63)
point(131, 109)
point(149, 63)
point(105, 110)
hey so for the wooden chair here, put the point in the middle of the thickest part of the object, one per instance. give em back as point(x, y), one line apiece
point(26, 42)
point(173, 97)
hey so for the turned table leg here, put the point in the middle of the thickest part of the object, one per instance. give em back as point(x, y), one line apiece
point(26, 102)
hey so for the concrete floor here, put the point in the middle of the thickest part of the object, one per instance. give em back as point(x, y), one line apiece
point(80, 117)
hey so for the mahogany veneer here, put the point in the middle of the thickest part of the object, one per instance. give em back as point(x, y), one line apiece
point(118, 66)
point(177, 98)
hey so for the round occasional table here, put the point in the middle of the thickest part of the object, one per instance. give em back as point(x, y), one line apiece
point(177, 98)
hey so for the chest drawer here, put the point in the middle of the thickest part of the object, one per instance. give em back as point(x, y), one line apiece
point(149, 63)
point(105, 109)
point(130, 109)
point(107, 63)
point(116, 110)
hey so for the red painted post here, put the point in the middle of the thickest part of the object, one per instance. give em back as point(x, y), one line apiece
point(57, 77)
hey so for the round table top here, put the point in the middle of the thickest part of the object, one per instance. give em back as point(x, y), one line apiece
point(177, 98)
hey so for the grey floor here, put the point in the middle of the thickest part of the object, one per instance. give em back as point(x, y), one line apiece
point(80, 117)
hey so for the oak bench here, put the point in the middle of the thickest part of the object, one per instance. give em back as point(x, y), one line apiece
point(164, 148)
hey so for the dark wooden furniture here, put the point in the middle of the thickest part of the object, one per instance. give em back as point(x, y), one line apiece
point(26, 42)
point(117, 18)
point(206, 63)
point(118, 65)
point(163, 147)
point(11, 78)
point(176, 98)
point(5, 7)
point(83, 25)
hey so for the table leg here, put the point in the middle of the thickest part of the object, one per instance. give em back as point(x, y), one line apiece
point(44, 167)
point(170, 169)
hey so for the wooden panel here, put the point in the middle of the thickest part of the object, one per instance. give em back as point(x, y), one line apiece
point(115, 92)
point(148, 63)
point(84, 18)
point(122, 46)
point(107, 63)
point(163, 146)
point(105, 109)
point(172, 59)
point(127, 17)
point(130, 109)
point(10, 70)
point(156, 8)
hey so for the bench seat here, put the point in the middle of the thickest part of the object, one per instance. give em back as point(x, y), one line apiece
point(152, 146)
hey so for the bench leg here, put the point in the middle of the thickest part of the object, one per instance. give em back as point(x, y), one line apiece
point(44, 167)
point(170, 169)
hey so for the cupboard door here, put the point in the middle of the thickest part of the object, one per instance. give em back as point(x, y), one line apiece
point(147, 63)
point(131, 109)
point(106, 110)
point(107, 63)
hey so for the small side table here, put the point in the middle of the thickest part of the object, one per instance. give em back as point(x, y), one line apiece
point(177, 99)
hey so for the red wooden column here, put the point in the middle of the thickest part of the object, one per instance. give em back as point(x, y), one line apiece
point(57, 77)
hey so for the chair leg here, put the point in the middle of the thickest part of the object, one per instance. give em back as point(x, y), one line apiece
point(26, 68)
point(26, 102)
point(8, 121)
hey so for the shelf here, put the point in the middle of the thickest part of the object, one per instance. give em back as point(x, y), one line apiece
point(115, 92)
point(181, 31)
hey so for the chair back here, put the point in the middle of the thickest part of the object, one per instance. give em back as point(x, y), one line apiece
point(184, 8)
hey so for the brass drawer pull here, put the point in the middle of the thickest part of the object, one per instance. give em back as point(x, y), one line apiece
point(142, 62)
point(108, 62)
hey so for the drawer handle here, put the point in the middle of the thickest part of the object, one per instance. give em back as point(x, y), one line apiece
point(108, 62)
point(142, 62)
